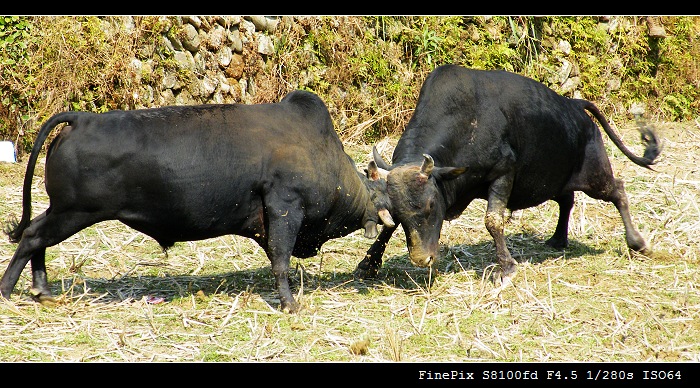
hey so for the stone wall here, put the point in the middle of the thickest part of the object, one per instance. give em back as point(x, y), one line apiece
point(209, 55)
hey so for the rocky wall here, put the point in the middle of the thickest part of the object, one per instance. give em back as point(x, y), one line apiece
point(209, 59)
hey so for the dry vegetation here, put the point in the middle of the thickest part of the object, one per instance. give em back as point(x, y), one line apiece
point(592, 302)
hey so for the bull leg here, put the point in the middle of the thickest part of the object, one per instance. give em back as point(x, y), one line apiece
point(283, 228)
point(596, 179)
point(634, 239)
point(280, 268)
point(499, 191)
point(369, 266)
point(40, 285)
point(618, 197)
point(25, 251)
point(45, 230)
point(560, 239)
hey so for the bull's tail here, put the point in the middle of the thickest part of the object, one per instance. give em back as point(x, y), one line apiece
point(652, 147)
point(15, 229)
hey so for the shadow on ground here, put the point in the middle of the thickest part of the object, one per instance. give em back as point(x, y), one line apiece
point(396, 271)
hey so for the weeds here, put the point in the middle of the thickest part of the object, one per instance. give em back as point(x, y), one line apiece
point(367, 69)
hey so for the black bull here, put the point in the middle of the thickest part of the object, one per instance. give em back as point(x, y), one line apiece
point(505, 138)
point(276, 173)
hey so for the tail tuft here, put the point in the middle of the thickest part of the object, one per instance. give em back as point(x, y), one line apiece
point(652, 146)
point(13, 231)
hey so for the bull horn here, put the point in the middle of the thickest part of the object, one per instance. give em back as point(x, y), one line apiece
point(379, 160)
point(386, 218)
point(428, 165)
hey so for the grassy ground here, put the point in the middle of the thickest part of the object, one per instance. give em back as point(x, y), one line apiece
point(592, 302)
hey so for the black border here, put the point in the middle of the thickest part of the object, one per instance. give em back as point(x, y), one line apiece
point(394, 374)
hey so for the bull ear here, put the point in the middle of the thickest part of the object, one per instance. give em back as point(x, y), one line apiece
point(378, 159)
point(374, 172)
point(448, 173)
point(440, 173)
point(428, 165)
point(370, 229)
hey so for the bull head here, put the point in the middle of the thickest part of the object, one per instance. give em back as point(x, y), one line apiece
point(418, 204)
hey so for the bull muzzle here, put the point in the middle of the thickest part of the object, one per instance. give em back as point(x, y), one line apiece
point(422, 261)
point(421, 255)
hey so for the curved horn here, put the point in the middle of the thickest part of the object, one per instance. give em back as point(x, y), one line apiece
point(386, 218)
point(379, 160)
point(428, 165)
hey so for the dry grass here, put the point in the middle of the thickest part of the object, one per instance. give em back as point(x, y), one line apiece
point(592, 302)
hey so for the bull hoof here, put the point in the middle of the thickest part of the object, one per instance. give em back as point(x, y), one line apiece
point(645, 251)
point(365, 271)
point(43, 297)
point(291, 307)
point(557, 243)
point(362, 274)
point(503, 274)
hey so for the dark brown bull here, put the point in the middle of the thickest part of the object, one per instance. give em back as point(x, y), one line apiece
point(505, 138)
point(276, 173)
